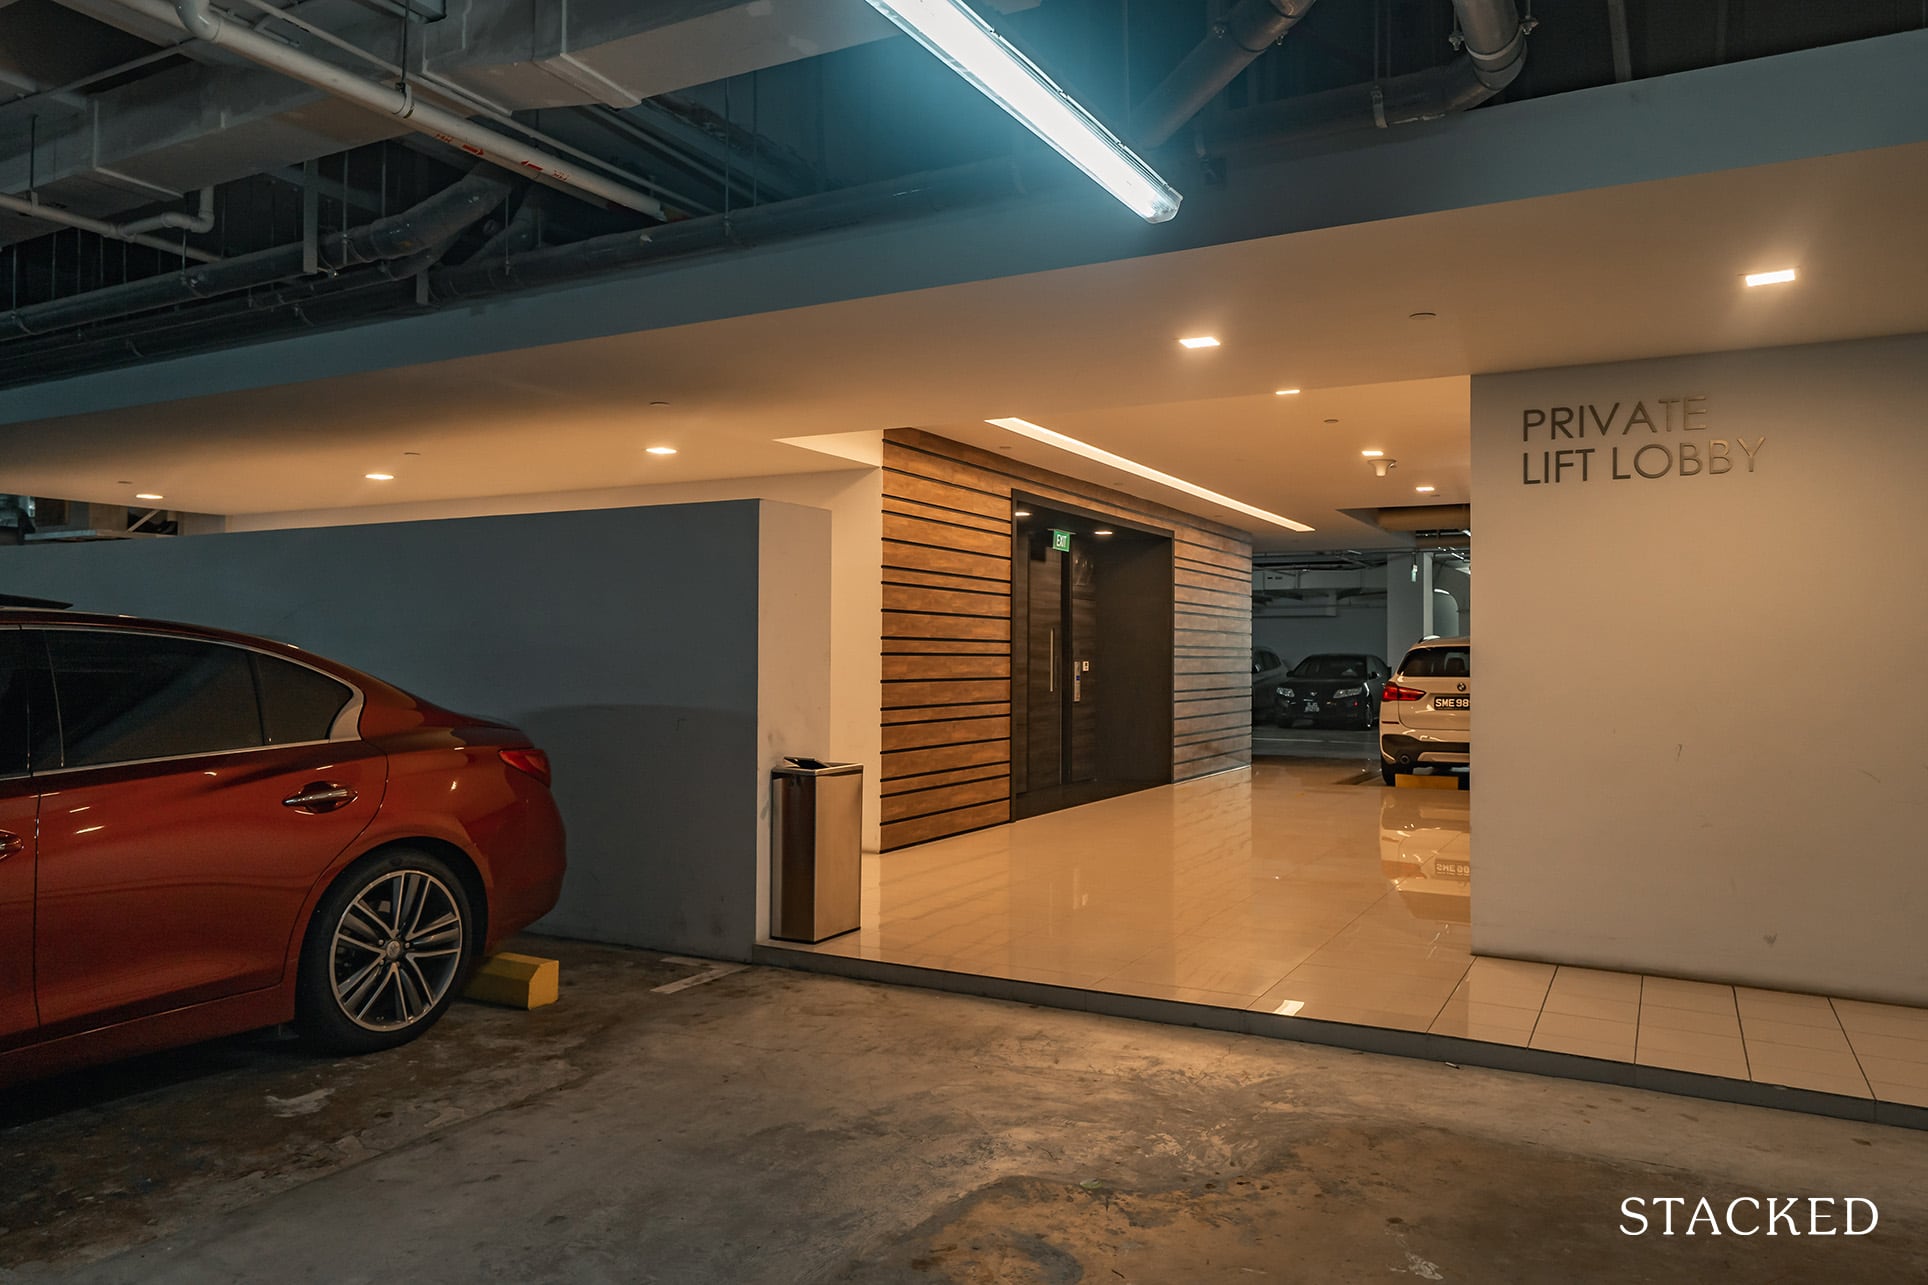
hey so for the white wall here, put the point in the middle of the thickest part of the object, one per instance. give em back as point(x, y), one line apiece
point(1351, 629)
point(1699, 733)
point(854, 498)
point(665, 657)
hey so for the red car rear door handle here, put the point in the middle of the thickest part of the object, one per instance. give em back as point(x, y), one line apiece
point(10, 843)
point(320, 796)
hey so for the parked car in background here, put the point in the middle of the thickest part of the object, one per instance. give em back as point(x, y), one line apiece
point(1267, 670)
point(1332, 689)
point(202, 833)
point(1426, 711)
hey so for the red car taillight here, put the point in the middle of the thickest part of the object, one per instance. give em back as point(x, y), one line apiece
point(531, 761)
point(1394, 692)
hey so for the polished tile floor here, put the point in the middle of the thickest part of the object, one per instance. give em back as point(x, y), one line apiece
point(1306, 887)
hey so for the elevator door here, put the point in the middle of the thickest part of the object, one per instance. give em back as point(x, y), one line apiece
point(1092, 630)
point(1044, 695)
point(1062, 678)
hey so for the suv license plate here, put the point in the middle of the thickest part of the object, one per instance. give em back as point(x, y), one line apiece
point(1452, 702)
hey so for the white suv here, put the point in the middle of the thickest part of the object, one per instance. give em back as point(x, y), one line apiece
point(1425, 713)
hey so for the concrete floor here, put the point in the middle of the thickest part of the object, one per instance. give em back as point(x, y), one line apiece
point(782, 1126)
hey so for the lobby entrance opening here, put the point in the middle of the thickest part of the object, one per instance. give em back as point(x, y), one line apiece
point(1091, 652)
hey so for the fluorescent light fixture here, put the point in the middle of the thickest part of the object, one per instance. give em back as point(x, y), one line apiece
point(379, 477)
point(1022, 513)
point(966, 43)
point(1778, 277)
point(1025, 428)
point(1285, 392)
point(1101, 533)
point(659, 450)
point(1372, 455)
point(1199, 341)
point(1424, 490)
point(149, 495)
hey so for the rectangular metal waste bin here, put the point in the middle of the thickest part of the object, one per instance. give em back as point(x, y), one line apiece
point(816, 858)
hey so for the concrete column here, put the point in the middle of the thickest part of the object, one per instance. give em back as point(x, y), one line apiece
point(1426, 629)
point(1405, 605)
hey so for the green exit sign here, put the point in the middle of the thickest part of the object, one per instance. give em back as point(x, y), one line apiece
point(1061, 540)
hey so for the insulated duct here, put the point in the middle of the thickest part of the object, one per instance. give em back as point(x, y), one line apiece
point(1251, 28)
point(198, 19)
point(429, 224)
point(1492, 40)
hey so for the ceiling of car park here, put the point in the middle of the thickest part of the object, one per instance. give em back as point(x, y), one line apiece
point(1620, 273)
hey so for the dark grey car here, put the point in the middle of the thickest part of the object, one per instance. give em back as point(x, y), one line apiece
point(1267, 670)
point(1332, 689)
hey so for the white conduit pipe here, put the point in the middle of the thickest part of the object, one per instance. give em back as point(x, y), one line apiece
point(196, 18)
point(133, 233)
point(202, 220)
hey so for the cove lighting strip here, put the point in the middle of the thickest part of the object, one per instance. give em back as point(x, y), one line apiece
point(1025, 428)
point(949, 29)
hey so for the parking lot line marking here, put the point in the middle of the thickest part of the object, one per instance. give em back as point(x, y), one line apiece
point(707, 975)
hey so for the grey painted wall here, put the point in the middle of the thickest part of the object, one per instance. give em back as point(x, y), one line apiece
point(629, 643)
point(1698, 733)
point(1353, 629)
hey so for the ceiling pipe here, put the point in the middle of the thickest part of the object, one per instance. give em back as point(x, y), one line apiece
point(780, 220)
point(430, 223)
point(1492, 40)
point(199, 20)
point(1251, 28)
point(202, 220)
point(1622, 50)
point(133, 233)
point(238, 318)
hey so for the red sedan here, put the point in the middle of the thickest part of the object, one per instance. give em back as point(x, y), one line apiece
point(203, 833)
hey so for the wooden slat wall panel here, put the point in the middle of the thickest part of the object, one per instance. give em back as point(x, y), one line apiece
point(944, 759)
point(945, 798)
point(999, 772)
point(950, 731)
point(944, 824)
point(909, 625)
point(969, 665)
point(938, 713)
point(925, 558)
point(947, 632)
point(946, 602)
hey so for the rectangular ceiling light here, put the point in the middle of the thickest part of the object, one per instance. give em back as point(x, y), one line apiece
point(949, 29)
point(1779, 277)
point(1025, 428)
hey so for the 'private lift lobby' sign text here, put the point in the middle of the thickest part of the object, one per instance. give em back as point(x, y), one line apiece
point(1639, 446)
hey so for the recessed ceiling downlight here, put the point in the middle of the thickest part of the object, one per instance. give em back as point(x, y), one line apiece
point(1037, 433)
